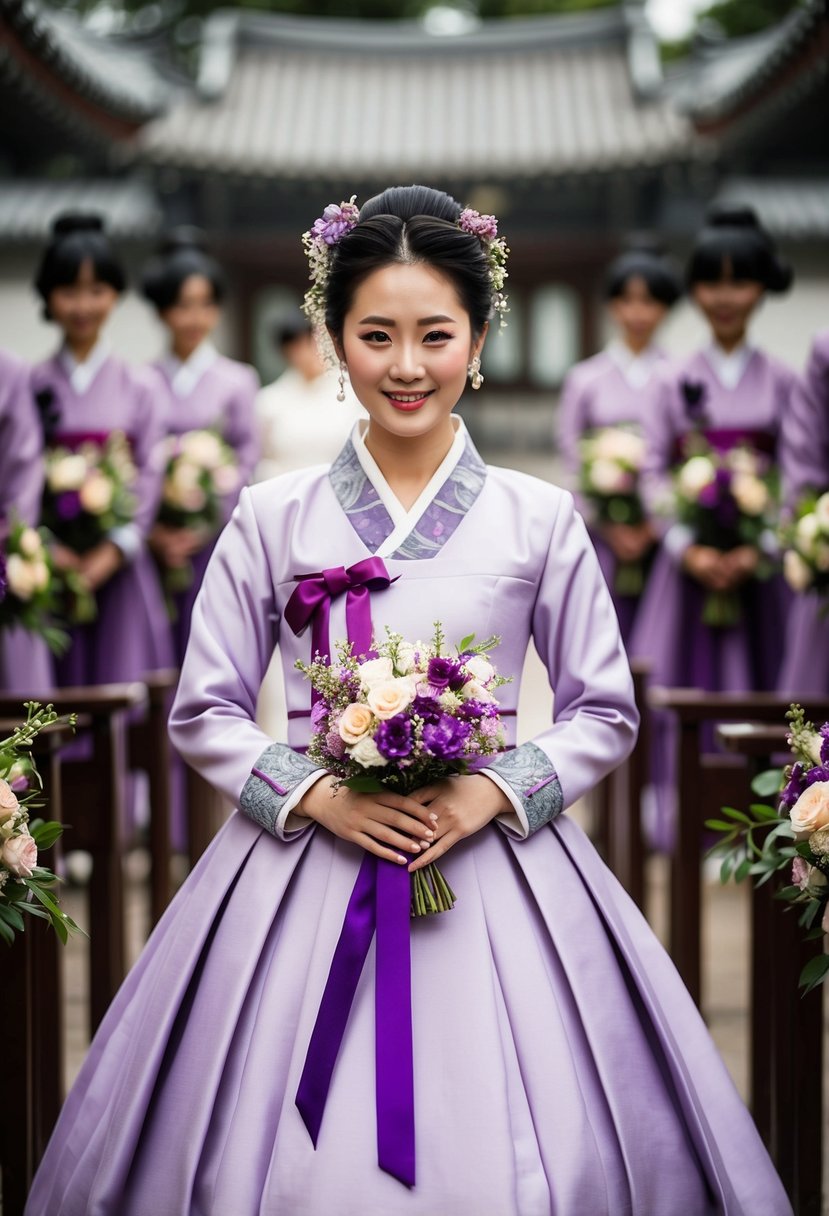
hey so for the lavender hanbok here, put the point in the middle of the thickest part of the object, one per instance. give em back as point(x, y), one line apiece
point(25, 663)
point(210, 392)
point(607, 390)
point(131, 634)
point(804, 459)
point(559, 1066)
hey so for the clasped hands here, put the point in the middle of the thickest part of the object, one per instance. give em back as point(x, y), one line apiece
point(175, 546)
point(629, 542)
point(426, 823)
point(720, 570)
point(95, 567)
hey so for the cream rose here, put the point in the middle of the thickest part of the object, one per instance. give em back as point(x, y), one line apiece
point(391, 697)
point(203, 448)
point(367, 754)
point(616, 444)
point(796, 571)
point(96, 494)
point(607, 477)
point(811, 811)
point(822, 512)
point(751, 494)
point(30, 543)
point(695, 475)
point(20, 576)
point(19, 855)
point(40, 575)
point(806, 533)
point(68, 473)
point(355, 723)
point(374, 671)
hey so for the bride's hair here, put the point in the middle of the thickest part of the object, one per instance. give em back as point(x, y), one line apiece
point(409, 224)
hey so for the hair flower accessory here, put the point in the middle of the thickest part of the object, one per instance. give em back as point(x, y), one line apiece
point(485, 228)
point(336, 221)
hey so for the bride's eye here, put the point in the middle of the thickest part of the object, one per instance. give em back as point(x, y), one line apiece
point(375, 336)
point(437, 335)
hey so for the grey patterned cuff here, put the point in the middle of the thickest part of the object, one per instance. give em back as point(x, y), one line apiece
point(530, 774)
point(272, 781)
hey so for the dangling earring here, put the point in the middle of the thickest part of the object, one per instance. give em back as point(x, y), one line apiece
point(474, 372)
point(341, 382)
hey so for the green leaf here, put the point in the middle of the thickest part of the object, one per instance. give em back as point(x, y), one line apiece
point(742, 870)
point(765, 813)
point(733, 813)
point(466, 643)
point(726, 867)
point(719, 825)
point(788, 893)
point(12, 917)
point(814, 972)
point(6, 933)
point(768, 783)
point(364, 785)
point(45, 834)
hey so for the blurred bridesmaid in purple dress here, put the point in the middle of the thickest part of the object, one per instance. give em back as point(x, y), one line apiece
point(85, 393)
point(732, 394)
point(25, 664)
point(609, 391)
point(203, 390)
point(804, 459)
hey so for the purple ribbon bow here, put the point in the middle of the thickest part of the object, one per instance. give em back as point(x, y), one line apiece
point(379, 903)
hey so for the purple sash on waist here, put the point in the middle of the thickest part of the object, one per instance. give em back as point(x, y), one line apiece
point(76, 439)
point(379, 903)
point(723, 439)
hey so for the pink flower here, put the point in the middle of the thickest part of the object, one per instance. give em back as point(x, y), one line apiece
point(335, 222)
point(800, 873)
point(19, 855)
point(485, 227)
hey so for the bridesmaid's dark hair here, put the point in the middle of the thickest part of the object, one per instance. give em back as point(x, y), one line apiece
point(410, 224)
point(644, 259)
point(733, 235)
point(77, 237)
point(183, 253)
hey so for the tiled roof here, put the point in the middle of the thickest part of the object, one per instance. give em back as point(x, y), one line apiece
point(791, 209)
point(27, 208)
point(297, 97)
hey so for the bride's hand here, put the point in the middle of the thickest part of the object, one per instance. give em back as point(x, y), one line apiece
point(382, 824)
point(463, 805)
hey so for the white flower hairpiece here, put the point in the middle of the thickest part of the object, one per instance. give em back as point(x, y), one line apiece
point(339, 219)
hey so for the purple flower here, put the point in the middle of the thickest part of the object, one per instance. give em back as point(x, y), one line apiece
point(427, 708)
point(795, 786)
point(445, 739)
point(4, 582)
point(20, 784)
point(472, 710)
point(819, 773)
point(335, 745)
point(485, 227)
point(694, 394)
point(68, 505)
point(319, 710)
point(335, 222)
point(824, 747)
point(394, 737)
point(445, 673)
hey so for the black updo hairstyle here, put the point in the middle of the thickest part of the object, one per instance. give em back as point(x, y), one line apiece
point(77, 237)
point(183, 253)
point(734, 234)
point(644, 259)
point(406, 225)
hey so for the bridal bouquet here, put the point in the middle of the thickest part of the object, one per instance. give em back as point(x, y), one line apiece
point(25, 886)
point(200, 470)
point(612, 461)
point(411, 714)
point(806, 557)
point(794, 835)
point(727, 499)
point(28, 587)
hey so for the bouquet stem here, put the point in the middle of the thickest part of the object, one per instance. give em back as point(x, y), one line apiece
point(431, 892)
point(722, 610)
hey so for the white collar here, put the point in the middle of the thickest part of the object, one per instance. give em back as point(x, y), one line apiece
point(729, 366)
point(81, 375)
point(405, 521)
point(636, 369)
point(184, 374)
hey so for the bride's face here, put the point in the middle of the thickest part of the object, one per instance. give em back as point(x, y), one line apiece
point(407, 342)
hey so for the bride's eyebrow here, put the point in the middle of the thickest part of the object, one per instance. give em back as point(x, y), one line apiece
point(391, 324)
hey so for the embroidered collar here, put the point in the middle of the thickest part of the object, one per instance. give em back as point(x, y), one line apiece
point(81, 375)
point(636, 369)
point(185, 374)
point(729, 367)
point(380, 520)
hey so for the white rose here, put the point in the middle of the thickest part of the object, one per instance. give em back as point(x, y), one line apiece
point(449, 700)
point(619, 445)
point(391, 697)
point(96, 494)
point(695, 475)
point(406, 652)
point(40, 575)
point(741, 460)
point(607, 477)
point(480, 668)
point(20, 575)
point(796, 571)
point(751, 494)
point(366, 753)
point(67, 473)
point(30, 544)
point(806, 532)
point(822, 512)
point(473, 691)
point(185, 475)
point(203, 448)
point(375, 670)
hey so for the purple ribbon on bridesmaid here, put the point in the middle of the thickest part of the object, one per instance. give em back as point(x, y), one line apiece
point(379, 903)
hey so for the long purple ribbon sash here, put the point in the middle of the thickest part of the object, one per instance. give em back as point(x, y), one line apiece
point(379, 903)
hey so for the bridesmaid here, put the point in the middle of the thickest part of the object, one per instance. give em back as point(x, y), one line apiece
point(804, 458)
point(733, 394)
point(202, 389)
point(85, 393)
point(607, 390)
point(25, 664)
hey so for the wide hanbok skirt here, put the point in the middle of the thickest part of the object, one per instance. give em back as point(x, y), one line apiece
point(560, 1066)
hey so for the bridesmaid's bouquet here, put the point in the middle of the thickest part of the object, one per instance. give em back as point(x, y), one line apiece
point(28, 586)
point(792, 835)
point(25, 886)
point(727, 499)
point(612, 462)
point(411, 714)
point(200, 470)
point(806, 541)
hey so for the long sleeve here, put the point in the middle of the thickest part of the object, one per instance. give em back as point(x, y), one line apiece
point(241, 431)
point(21, 445)
point(804, 446)
point(576, 633)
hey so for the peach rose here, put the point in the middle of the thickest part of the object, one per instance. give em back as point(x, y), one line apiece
point(391, 697)
point(811, 811)
point(355, 723)
point(96, 494)
point(19, 855)
point(21, 576)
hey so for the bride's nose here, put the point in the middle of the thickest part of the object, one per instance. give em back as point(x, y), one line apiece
point(407, 368)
